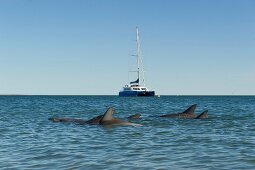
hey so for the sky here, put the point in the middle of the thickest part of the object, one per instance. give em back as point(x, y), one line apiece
point(85, 47)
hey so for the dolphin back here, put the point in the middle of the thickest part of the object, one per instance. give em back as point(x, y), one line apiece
point(203, 115)
point(135, 116)
point(95, 120)
point(191, 109)
point(68, 120)
point(189, 113)
point(108, 114)
point(109, 120)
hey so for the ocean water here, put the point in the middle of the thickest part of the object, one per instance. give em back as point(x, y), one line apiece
point(28, 140)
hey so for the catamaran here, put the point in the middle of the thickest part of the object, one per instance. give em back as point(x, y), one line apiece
point(137, 87)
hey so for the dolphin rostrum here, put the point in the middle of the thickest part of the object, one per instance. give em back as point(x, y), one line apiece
point(187, 114)
point(108, 119)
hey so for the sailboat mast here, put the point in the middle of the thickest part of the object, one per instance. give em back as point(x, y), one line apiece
point(138, 54)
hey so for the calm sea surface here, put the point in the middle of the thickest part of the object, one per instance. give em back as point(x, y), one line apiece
point(28, 140)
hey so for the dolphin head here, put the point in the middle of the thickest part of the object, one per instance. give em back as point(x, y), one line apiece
point(135, 116)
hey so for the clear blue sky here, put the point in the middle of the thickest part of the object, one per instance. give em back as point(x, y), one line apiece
point(196, 47)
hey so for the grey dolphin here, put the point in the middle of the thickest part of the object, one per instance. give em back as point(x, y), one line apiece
point(108, 119)
point(67, 120)
point(135, 116)
point(187, 114)
point(203, 115)
point(94, 121)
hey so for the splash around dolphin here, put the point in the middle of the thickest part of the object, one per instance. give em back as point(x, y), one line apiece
point(105, 119)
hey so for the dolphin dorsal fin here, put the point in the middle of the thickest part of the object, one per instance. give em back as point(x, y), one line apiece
point(203, 115)
point(191, 109)
point(108, 114)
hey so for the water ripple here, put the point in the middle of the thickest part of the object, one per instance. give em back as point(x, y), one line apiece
point(224, 141)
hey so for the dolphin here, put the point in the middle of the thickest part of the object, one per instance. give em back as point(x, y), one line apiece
point(67, 120)
point(109, 120)
point(94, 121)
point(187, 114)
point(135, 116)
point(203, 115)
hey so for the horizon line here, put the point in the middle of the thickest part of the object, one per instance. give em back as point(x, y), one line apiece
point(118, 95)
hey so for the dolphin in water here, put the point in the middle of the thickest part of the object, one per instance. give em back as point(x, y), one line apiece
point(187, 114)
point(203, 115)
point(93, 121)
point(109, 120)
point(135, 116)
point(105, 119)
point(55, 119)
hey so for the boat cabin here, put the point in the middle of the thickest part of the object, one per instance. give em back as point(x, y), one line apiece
point(134, 88)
